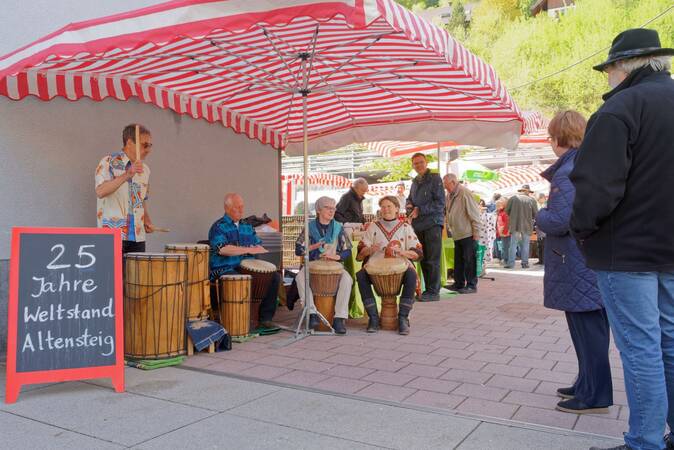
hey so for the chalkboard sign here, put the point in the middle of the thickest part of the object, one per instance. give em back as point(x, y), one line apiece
point(65, 307)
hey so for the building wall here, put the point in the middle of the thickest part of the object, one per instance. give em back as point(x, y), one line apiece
point(49, 150)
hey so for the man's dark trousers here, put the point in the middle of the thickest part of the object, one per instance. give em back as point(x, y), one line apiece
point(465, 264)
point(431, 241)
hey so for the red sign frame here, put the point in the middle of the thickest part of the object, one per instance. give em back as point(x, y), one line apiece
point(16, 379)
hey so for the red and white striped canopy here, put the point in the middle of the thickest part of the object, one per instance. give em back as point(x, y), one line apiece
point(512, 176)
point(535, 129)
point(318, 179)
point(370, 69)
point(395, 149)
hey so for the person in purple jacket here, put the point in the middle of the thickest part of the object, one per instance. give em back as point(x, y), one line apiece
point(569, 285)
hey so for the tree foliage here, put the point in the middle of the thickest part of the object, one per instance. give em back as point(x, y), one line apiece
point(398, 169)
point(524, 50)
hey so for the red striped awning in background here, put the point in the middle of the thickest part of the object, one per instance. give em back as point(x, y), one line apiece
point(370, 70)
point(512, 176)
point(318, 180)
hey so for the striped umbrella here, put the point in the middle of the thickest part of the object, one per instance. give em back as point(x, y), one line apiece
point(512, 177)
point(364, 70)
point(286, 72)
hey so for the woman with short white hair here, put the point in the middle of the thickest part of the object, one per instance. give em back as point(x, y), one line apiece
point(328, 242)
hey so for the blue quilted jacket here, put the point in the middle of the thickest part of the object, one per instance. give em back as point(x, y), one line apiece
point(568, 284)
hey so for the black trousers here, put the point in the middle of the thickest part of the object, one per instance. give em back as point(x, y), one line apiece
point(365, 284)
point(465, 263)
point(133, 247)
point(590, 336)
point(431, 241)
point(541, 249)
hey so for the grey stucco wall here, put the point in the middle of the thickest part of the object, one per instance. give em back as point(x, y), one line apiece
point(49, 150)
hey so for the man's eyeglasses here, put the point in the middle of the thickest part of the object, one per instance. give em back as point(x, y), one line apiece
point(147, 145)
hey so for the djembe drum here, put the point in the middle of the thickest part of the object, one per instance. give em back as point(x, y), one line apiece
point(234, 303)
point(324, 279)
point(387, 278)
point(198, 285)
point(154, 305)
point(262, 273)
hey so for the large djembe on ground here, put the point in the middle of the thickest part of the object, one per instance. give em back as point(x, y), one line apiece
point(324, 279)
point(387, 278)
point(261, 273)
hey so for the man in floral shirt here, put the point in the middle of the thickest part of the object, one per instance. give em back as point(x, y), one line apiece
point(122, 186)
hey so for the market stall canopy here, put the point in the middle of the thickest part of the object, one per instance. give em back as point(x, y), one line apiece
point(326, 180)
point(512, 177)
point(369, 69)
point(535, 132)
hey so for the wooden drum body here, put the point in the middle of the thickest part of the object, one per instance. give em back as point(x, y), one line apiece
point(154, 305)
point(234, 304)
point(261, 273)
point(324, 279)
point(387, 278)
point(198, 285)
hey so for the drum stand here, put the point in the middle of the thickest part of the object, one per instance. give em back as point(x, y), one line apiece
point(302, 329)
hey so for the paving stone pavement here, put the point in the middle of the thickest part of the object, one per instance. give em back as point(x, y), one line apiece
point(498, 353)
point(178, 408)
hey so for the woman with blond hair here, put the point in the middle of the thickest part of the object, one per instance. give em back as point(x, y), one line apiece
point(569, 285)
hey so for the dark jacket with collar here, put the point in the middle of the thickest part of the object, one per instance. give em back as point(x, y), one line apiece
point(427, 194)
point(568, 284)
point(624, 178)
point(350, 208)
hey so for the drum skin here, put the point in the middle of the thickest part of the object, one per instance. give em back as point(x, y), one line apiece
point(154, 305)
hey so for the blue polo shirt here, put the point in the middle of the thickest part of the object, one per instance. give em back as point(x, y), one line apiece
point(225, 232)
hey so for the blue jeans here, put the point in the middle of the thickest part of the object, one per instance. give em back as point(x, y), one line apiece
point(517, 238)
point(640, 308)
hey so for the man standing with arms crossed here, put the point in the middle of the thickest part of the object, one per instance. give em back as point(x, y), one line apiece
point(426, 208)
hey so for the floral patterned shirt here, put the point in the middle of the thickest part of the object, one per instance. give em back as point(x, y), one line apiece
point(124, 208)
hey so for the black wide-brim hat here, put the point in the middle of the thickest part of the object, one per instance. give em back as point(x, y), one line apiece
point(633, 44)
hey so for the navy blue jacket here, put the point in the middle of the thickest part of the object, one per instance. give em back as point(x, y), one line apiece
point(568, 284)
point(427, 194)
point(624, 176)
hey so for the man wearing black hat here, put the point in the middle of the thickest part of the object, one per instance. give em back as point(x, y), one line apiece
point(624, 174)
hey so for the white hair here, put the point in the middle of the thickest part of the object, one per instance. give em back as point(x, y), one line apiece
point(230, 197)
point(451, 177)
point(657, 63)
point(324, 201)
point(362, 182)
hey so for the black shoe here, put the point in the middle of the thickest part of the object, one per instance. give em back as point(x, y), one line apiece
point(566, 393)
point(372, 314)
point(453, 287)
point(468, 290)
point(669, 442)
point(429, 297)
point(576, 406)
point(314, 321)
point(339, 325)
point(403, 325)
point(620, 447)
point(525, 266)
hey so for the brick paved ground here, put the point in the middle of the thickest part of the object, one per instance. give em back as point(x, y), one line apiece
point(498, 353)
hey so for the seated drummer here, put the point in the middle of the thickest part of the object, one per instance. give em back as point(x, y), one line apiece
point(327, 242)
point(232, 241)
point(389, 236)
